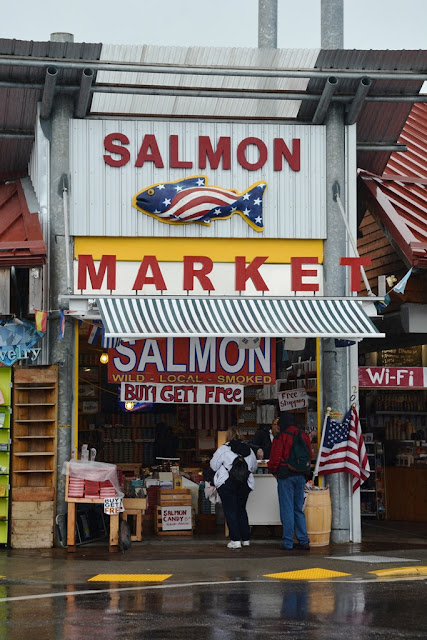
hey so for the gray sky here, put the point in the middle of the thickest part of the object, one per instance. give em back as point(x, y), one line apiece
point(368, 24)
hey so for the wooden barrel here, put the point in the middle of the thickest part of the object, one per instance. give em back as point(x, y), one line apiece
point(318, 517)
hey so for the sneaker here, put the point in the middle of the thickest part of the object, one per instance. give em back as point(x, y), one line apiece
point(234, 544)
point(246, 543)
point(302, 547)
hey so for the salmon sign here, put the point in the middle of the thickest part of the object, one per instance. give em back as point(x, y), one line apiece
point(192, 360)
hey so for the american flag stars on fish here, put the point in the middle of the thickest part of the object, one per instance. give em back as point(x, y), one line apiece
point(191, 200)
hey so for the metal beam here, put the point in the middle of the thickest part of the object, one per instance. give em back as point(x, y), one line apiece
point(238, 71)
point(84, 93)
point(357, 103)
point(48, 92)
point(329, 89)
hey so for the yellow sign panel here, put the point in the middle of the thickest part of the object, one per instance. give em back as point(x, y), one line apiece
point(219, 250)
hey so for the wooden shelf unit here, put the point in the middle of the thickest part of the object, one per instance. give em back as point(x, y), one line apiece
point(35, 393)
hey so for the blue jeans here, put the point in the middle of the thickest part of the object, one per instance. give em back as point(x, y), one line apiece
point(291, 500)
point(234, 499)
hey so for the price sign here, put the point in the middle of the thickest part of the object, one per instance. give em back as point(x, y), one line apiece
point(113, 506)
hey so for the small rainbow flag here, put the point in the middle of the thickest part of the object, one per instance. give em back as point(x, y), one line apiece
point(40, 318)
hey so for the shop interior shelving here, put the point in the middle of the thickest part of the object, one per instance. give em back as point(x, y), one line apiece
point(34, 454)
point(5, 415)
point(372, 491)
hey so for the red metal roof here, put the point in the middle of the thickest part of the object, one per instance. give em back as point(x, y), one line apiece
point(399, 196)
point(21, 238)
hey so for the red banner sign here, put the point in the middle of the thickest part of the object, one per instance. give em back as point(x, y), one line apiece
point(193, 360)
point(393, 377)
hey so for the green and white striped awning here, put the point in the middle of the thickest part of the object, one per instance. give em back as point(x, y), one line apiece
point(161, 317)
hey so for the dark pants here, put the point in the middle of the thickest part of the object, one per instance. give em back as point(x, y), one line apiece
point(234, 498)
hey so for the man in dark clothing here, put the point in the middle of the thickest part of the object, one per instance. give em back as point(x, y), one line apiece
point(263, 437)
point(290, 487)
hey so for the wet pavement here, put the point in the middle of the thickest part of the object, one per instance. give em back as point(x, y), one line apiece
point(202, 590)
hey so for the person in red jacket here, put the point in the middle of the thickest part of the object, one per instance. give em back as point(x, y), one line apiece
point(290, 486)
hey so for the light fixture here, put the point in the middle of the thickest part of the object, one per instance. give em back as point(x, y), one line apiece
point(103, 358)
point(129, 406)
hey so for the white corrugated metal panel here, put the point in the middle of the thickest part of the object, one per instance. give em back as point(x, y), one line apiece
point(197, 106)
point(101, 195)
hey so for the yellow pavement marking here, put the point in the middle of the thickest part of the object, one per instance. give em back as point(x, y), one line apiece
point(130, 577)
point(307, 574)
point(401, 571)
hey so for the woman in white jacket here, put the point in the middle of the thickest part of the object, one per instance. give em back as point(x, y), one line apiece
point(233, 494)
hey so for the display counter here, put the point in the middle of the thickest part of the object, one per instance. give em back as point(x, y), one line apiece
point(263, 503)
point(406, 493)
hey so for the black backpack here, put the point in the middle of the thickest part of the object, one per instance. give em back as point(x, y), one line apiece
point(239, 471)
point(299, 457)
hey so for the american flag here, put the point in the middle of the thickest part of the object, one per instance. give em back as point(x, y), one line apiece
point(343, 449)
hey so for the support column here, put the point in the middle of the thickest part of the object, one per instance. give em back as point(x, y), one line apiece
point(61, 351)
point(335, 368)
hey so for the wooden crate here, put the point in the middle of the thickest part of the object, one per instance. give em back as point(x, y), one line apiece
point(175, 497)
point(158, 523)
point(32, 525)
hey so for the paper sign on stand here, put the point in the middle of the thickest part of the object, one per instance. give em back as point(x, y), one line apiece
point(292, 399)
point(176, 518)
point(113, 506)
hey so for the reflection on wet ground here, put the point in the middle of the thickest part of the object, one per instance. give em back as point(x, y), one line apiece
point(55, 601)
point(250, 610)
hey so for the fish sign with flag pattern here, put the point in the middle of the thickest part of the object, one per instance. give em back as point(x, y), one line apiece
point(192, 200)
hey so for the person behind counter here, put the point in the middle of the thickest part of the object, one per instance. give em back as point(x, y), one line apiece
point(290, 485)
point(234, 496)
point(263, 437)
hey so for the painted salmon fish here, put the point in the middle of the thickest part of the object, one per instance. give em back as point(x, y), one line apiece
point(192, 200)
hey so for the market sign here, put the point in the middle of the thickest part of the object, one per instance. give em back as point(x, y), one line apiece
point(181, 393)
point(393, 377)
point(292, 399)
point(176, 518)
point(193, 360)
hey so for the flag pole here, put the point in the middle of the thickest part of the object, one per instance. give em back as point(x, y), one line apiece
point(316, 467)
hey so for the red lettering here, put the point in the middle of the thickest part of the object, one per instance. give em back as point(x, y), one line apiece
point(298, 273)
point(223, 151)
point(166, 393)
point(249, 272)
point(149, 262)
point(129, 392)
point(175, 163)
point(355, 264)
point(86, 266)
point(241, 154)
point(149, 152)
point(237, 395)
point(190, 272)
point(292, 158)
point(117, 149)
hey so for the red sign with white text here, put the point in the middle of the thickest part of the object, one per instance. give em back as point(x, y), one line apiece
point(193, 360)
point(393, 377)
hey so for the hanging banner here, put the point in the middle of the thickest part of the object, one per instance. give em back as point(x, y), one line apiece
point(193, 360)
point(292, 399)
point(181, 394)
